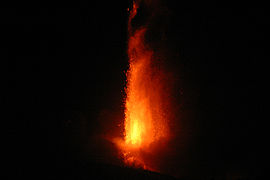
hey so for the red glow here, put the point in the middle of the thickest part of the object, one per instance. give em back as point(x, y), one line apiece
point(145, 117)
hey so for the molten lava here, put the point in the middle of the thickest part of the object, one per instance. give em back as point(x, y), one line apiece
point(145, 112)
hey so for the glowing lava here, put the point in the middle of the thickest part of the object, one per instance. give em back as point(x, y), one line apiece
point(145, 116)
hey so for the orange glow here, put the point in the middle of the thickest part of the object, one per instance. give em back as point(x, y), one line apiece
point(145, 118)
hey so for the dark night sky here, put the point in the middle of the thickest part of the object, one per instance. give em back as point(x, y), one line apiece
point(63, 74)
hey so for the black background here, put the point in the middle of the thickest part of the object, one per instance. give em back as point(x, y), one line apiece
point(63, 75)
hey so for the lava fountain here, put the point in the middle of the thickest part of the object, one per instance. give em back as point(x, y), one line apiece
point(146, 102)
